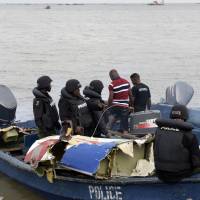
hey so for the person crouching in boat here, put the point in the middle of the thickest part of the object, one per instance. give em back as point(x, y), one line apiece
point(176, 148)
point(96, 106)
point(73, 109)
point(44, 109)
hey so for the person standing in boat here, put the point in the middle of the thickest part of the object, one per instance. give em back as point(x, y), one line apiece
point(73, 109)
point(119, 96)
point(44, 109)
point(96, 106)
point(141, 94)
point(176, 148)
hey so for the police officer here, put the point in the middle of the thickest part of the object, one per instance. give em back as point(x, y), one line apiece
point(73, 108)
point(176, 149)
point(141, 94)
point(96, 106)
point(44, 109)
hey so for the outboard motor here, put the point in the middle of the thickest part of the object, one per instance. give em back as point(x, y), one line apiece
point(180, 93)
point(8, 105)
point(142, 123)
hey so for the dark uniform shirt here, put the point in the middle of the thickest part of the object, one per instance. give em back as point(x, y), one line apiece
point(141, 94)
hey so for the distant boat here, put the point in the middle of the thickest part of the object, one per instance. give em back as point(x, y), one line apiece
point(156, 3)
point(48, 7)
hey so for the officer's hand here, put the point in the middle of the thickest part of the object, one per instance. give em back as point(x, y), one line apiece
point(100, 105)
point(130, 109)
point(79, 130)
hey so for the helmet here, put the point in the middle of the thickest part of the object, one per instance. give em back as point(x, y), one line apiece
point(72, 85)
point(44, 82)
point(97, 86)
point(179, 112)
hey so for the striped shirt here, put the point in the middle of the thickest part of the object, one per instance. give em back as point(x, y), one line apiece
point(120, 88)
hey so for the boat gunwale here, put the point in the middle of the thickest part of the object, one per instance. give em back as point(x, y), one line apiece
point(114, 181)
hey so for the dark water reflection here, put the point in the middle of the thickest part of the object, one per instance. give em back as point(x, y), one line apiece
point(12, 190)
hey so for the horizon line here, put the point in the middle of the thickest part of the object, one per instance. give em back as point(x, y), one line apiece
point(22, 3)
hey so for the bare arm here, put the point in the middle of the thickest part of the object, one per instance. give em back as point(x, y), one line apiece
point(131, 98)
point(110, 98)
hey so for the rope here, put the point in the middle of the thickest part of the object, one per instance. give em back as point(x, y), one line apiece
point(101, 118)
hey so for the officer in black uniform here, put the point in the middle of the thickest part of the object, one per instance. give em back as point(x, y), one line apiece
point(176, 148)
point(73, 109)
point(96, 106)
point(141, 94)
point(44, 109)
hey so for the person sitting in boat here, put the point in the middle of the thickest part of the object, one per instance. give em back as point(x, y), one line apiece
point(44, 109)
point(73, 109)
point(141, 94)
point(176, 148)
point(96, 106)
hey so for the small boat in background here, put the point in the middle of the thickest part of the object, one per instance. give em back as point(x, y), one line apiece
point(157, 3)
point(48, 7)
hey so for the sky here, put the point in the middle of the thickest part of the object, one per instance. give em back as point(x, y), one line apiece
point(95, 1)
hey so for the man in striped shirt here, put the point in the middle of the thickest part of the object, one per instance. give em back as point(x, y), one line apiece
point(119, 98)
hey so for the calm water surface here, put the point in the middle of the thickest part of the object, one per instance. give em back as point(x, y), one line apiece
point(12, 190)
point(161, 43)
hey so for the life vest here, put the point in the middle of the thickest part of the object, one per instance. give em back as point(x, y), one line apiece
point(47, 112)
point(169, 152)
point(79, 108)
point(93, 101)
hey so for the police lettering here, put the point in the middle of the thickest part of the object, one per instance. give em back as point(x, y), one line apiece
point(105, 192)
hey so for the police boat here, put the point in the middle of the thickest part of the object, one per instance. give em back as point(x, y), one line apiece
point(73, 186)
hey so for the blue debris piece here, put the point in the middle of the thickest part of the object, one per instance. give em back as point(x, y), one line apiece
point(86, 157)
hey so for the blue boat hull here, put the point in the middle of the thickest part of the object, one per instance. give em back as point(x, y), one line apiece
point(117, 189)
point(132, 188)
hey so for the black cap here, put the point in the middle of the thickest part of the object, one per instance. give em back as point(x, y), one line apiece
point(179, 112)
point(97, 86)
point(44, 82)
point(72, 85)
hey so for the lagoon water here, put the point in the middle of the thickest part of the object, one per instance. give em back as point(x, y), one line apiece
point(161, 43)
